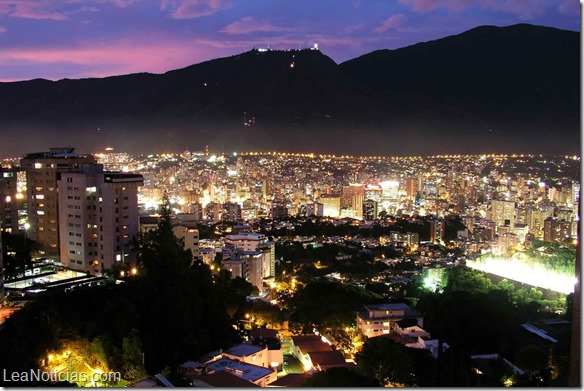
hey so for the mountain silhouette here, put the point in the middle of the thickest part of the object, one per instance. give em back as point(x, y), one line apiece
point(490, 89)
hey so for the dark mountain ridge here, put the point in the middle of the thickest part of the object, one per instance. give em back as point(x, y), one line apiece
point(489, 89)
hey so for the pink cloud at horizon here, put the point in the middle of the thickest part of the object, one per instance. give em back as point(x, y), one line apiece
point(100, 61)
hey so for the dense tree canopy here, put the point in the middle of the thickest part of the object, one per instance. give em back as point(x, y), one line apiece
point(329, 304)
point(393, 364)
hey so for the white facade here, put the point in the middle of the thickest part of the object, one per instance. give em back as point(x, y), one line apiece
point(191, 238)
point(247, 241)
point(98, 215)
point(261, 254)
point(378, 319)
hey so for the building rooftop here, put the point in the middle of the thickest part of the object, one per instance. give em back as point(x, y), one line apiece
point(329, 359)
point(246, 236)
point(243, 350)
point(246, 371)
point(407, 322)
point(387, 307)
point(310, 343)
point(263, 333)
point(291, 380)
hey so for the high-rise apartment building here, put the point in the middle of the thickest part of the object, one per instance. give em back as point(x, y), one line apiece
point(503, 213)
point(352, 198)
point(535, 220)
point(314, 209)
point(98, 217)
point(331, 205)
point(369, 210)
point(412, 186)
point(10, 204)
point(250, 242)
point(42, 172)
point(231, 212)
point(190, 235)
point(555, 230)
point(437, 228)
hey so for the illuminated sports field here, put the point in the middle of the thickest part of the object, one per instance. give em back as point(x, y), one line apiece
point(534, 274)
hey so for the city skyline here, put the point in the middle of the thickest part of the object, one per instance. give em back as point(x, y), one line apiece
point(70, 39)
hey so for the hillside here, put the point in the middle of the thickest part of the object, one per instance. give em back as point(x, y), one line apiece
point(523, 81)
point(487, 90)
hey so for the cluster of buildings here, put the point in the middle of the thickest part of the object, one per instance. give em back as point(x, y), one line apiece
point(261, 360)
point(496, 195)
point(85, 209)
point(86, 216)
point(76, 211)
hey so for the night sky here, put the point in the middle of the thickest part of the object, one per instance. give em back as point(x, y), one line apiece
point(55, 39)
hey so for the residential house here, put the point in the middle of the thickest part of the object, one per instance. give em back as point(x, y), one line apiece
point(379, 319)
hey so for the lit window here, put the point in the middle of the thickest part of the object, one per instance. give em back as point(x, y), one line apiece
point(38, 165)
point(41, 212)
point(40, 197)
point(8, 198)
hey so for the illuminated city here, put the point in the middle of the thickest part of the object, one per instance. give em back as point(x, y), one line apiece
point(379, 224)
point(217, 194)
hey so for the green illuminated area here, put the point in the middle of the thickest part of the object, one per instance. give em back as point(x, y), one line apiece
point(434, 280)
point(545, 265)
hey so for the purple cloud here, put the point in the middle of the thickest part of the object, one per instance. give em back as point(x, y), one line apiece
point(248, 25)
point(569, 7)
point(394, 22)
point(31, 9)
point(525, 10)
point(192, 9)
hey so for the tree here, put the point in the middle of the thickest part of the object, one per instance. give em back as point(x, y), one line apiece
point(386, 361)
point(181, 308)
point(16, 253)
point(133, 355)
point(532, 359)
point(329, 304)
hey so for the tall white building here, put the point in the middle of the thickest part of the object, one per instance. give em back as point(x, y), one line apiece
point(503, 213)
point(190, 234)
point(42, 172)
point(98, 215)
point(251, 242)
point(331, 205)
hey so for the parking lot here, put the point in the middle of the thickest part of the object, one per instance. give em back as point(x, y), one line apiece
point(292, 365)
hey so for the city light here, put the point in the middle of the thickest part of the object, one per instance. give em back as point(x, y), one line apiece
point(532, 274)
